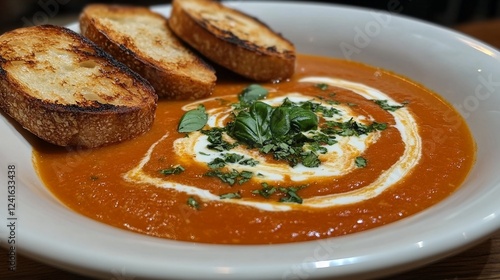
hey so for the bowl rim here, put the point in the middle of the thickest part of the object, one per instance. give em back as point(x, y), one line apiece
point(53, 244)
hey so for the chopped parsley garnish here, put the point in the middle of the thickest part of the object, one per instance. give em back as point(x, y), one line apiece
point(230, 177)
point(266, 190)
point(293, 132)
point(385, 105)
point(172, 170)
point(310, 159)
point(322, 86)
point(249, 162)
point(215, 139)
point(235, 195)
point(217, 163)
point(360, 162)
point(350, 128)
point(226, 158)
point(327, 112)
point(290, 193)
point(192, 202)
point(232, 157)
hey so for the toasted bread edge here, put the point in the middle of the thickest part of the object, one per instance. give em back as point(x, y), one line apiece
point(167, 84)
point(237, 55)
point(72, 125)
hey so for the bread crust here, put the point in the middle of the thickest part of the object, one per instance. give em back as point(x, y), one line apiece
point(237, 50)
point(183, 77)
point(125, 112)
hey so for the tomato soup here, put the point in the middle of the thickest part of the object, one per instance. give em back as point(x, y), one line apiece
point(340, 148)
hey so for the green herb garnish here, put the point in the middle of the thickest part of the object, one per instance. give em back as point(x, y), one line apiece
point(360, 162)
point(289, 132)
point(322, 86)
point(226, 158)
point(230, 177)
point(249, 162)
point(276, 130)
point(215, 139)
point(385, 105)
point(310, 159)
point(290, 192)
point(252, 93)
point(266, 190)
point(232, 157)
point(193, 120)
point(172, 170)
point(350, 128)
point(235, 195)
point(217, 163)
point(192, 202)
point(252, 127)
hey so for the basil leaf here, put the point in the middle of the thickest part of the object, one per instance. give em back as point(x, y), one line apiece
point(303, 120)
point(193, 120)
point(252, 93)
point(252, 127)
point(280, 122)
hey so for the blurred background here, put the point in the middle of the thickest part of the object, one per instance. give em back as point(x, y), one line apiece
point(465, 15)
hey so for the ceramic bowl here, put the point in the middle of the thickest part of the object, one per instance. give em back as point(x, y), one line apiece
point(464, 71)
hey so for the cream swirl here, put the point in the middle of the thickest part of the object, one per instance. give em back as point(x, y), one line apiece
point(337, 161)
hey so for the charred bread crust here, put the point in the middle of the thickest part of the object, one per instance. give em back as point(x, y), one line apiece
point(244, 56)
point(173, 80)
point(84, 123)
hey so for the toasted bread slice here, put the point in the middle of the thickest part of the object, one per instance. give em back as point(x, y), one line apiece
point(233, 39)
point(141, 39)
point(69, 92)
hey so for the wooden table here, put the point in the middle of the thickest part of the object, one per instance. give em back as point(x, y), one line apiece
point(480, 262)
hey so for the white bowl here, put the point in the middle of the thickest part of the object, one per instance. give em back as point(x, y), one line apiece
point(466, 72)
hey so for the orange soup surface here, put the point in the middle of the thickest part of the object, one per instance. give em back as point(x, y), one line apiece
point(340, 148)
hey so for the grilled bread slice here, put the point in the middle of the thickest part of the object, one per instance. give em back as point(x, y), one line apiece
point(233, 39)
point(141, 39)
point(67, 91)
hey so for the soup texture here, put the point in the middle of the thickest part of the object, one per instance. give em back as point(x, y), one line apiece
point(340, 148)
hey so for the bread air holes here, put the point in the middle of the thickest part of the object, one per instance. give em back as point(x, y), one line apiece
point(88, 64)
point(88, 94)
